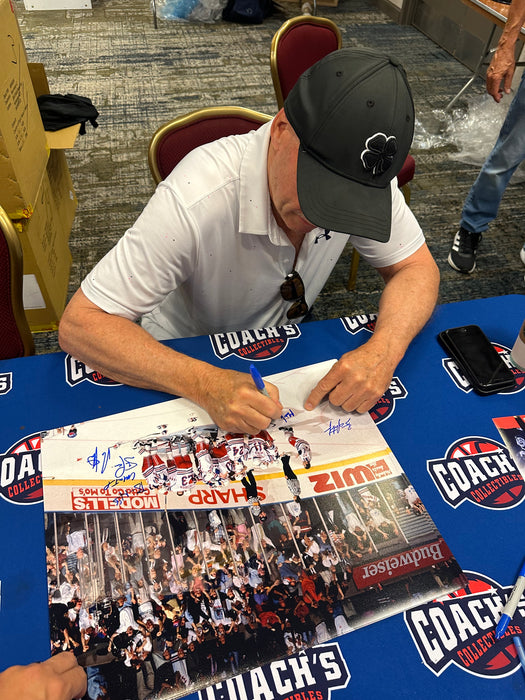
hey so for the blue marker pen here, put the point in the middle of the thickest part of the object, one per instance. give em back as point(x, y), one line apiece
point(511, 604)
point(258, 380)
point(520, 651)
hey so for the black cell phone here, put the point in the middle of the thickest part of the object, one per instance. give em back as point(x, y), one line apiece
point(476, 356)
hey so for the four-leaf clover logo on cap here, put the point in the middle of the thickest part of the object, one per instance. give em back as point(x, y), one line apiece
point(379, 153)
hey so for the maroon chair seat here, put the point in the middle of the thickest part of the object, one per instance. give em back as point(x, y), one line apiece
point(406, 174)
point(298, 44)
point(174, 140)
point(16, 339)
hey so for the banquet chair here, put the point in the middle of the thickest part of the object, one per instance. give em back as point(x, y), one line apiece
point(16, 339)
point(175, 139)
point(298, 44)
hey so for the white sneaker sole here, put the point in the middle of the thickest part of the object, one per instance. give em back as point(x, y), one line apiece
point(458, 269)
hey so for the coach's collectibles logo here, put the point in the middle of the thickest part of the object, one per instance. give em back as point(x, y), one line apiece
point(459, 379)
point(77, 372)
point(310, 675)
point(258, 344)
point(354, 324)
point(460, 629)
point(21, 473)
point(479, 470)
point(387, 403)
point(6, 382)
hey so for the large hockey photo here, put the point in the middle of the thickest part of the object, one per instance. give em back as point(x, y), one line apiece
point(179, 555)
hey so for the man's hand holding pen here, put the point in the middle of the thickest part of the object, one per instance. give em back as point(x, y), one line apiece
point(234, 402)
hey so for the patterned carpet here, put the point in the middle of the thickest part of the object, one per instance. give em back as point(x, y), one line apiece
point(139, 77)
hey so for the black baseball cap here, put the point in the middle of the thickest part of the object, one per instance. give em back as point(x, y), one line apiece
point(354, 116)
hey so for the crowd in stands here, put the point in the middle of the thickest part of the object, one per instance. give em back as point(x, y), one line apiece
point(154, 602)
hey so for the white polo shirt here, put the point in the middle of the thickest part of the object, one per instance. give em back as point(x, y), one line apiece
point(206, 254)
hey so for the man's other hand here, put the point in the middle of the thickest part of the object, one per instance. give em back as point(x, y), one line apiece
point(58, 678)
point(356, 382)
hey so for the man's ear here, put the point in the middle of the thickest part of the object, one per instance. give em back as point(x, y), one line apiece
point(279, 125)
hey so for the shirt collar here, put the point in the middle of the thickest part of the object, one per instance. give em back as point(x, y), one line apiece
point(255, 211)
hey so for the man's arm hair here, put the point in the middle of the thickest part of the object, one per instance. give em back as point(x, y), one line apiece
point(503, 63)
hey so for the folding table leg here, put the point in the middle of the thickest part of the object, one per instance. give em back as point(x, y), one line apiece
point(486, 51)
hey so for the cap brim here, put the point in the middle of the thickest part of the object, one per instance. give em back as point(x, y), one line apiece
point(336, 203)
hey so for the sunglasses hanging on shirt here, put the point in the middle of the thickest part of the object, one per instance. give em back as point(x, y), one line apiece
point(292, 289)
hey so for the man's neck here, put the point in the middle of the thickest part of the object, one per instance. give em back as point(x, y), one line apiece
point(295, 239)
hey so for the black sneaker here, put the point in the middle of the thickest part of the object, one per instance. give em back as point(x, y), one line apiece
point(462, 256)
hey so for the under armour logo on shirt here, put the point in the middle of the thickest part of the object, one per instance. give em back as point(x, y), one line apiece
point(326, 235)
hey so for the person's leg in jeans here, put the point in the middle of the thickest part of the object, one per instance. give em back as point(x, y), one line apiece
point(482, 202)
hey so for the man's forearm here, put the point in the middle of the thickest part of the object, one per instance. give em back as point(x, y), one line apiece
point(361, 376)
point(406, 304)
point(125, 352)
point(514, 23)
point(501, 69)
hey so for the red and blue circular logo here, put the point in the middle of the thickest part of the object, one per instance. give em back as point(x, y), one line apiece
point(21, 473)
point(387, 403)
point(479, 470)
point(459, 629)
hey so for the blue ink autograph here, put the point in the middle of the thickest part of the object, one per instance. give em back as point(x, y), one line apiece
point(119, 500)
point(336, 428)
point(287, 415)
point(95, 462)
point(123, 470)
point(115, 482)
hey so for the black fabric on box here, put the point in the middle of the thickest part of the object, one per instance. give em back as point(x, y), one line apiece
point(61, 111)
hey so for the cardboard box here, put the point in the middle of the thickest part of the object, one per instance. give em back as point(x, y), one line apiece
point(47, 263)
point(44, 231)
point(62, 191)
point(44, 237)
point(23, 146)
point(57, 4)
point(63, 138)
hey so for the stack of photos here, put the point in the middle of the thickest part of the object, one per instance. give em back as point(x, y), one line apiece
point(179, 555)
point(512, 430)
